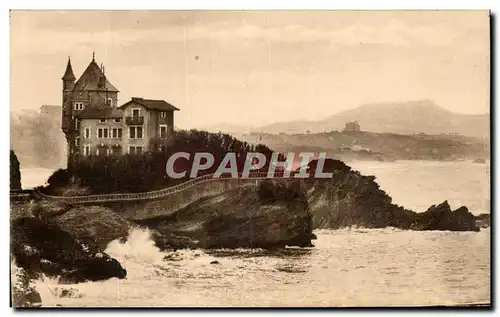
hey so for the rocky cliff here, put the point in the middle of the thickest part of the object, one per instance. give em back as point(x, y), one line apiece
point(271, 215)
point(41, 246)
point(15, 172)
point(352, 199)
point(68, 242)
point(49, 239)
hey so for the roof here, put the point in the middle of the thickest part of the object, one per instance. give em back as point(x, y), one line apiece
point(152, 104)
point(68, 74)
point(100, 113)
point(93, 78)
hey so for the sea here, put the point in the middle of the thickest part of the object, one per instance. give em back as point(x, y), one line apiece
point(351, 267)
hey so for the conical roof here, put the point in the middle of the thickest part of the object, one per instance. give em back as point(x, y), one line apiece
point(68, 74)
point(94, 79)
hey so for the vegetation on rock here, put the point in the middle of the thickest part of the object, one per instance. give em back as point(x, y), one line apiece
point(147, 171)
point(347, 199)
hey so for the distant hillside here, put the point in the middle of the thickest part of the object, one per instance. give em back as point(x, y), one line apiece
point(377, 146)
point(234, 129)
point(422, 116)
point(36, 137)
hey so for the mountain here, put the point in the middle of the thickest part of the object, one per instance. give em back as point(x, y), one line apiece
point(363, 145)
point(228, 128)
point(410, 117)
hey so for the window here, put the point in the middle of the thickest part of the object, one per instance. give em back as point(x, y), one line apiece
point(136, 112)
point(77, 124)
point(163, 114)
point(87, 133)
point(78, 106)
point(102, 133)
point(118, 119)
point(109, 152)
point(135, 132)
point(163, 131)
point(135, 150)
point(110, 102)
point(102, 120)
point(86, 150)
point(77, 141)
point(117, 133)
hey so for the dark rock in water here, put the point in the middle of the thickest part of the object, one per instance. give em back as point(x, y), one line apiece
point(24, 294)
point(172, 257)
point(69, 293)
point(15, 172)
point(215, 262)
point(41, 246)
point(272, 215)
point(352, 199)
point(94, 224)
point(483, 221)
point(441, 217)
point(480, 161)
point(290, 269)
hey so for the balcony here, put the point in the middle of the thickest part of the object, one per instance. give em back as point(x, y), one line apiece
point(134, 120)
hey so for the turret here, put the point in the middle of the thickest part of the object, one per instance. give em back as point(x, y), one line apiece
point(68, 77)
point(68, 85)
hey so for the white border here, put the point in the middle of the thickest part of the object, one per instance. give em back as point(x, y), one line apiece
point(179, 5)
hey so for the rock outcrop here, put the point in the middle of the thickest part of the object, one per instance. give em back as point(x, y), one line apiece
point(39, 246)
point(15, 172)
point(352, 199)
point(24, 293)
point(95, 225)
point(271, 215)
point(441, 217)
point(483, 220)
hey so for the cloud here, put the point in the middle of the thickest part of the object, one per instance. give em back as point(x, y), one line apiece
point(36, 32)
point(395, 32)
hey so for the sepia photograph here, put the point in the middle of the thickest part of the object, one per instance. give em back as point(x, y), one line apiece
point(250, 158)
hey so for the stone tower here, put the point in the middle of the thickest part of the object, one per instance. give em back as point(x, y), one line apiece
point(67, 109)
point(90, 92)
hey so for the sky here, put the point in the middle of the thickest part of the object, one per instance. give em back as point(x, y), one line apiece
point(253, 68)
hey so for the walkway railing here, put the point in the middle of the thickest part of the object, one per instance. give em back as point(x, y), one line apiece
point(157, 193)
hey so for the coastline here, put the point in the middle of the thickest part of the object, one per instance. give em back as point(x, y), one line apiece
point(376, 229)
